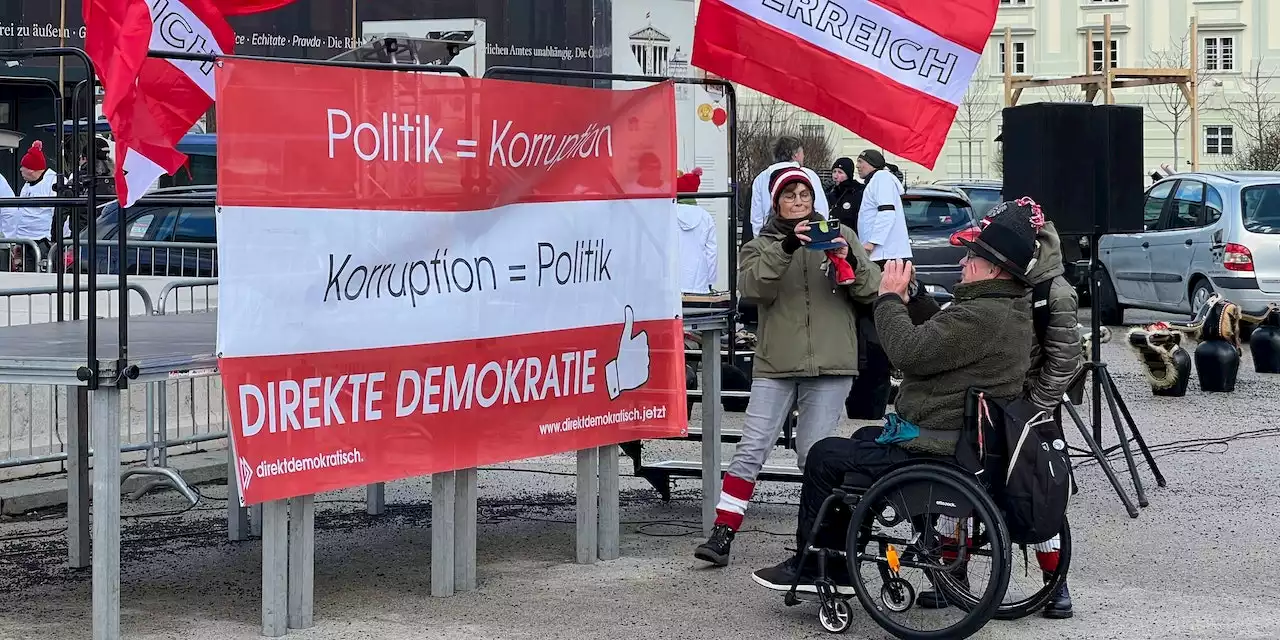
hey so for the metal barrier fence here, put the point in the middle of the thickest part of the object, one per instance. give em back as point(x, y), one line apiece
point(156, 418)
point(142, 258)
point(148, 258)
point(190, 295)
point(11, 250)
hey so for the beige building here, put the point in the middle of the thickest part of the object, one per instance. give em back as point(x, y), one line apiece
point(1239, 51)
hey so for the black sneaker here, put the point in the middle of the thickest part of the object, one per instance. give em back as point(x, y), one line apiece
point(1059, 606)
point(781, 576)
point(716, 549)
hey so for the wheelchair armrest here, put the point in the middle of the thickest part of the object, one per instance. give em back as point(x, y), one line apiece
point(854, 480)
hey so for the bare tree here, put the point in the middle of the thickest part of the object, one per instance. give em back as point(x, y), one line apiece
point(1066, 93)
point(761, 123)
point(1254, 114)
point(1166, 103)
point(973, 122)
point(997, 161)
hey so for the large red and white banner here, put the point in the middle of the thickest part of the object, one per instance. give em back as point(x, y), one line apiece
point(421, 273)
point(891, 71)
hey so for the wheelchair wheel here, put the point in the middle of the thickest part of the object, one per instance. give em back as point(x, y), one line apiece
point(1029, 588)
point(837, 616)
point(895, 551)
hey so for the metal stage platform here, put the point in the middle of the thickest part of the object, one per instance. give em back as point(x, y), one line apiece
point(159, 347)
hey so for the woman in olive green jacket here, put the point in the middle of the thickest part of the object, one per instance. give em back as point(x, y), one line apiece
point(807, 350)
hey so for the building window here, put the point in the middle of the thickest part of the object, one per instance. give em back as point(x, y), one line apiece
point(813, 131)
point(1014, 2)
point(1102, 1)
point(1096, 54)
point(1220, 53)
point(1019, 58)
point(1219, 140)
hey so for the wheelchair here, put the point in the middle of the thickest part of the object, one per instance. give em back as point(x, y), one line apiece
point(933, 518)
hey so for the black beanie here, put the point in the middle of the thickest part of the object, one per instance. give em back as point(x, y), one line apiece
point(845, 165)
point(873, 157)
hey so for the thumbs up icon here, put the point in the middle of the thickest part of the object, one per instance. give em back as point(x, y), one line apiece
point(631, 368)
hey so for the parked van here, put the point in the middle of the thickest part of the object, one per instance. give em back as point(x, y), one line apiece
point(1203, 233)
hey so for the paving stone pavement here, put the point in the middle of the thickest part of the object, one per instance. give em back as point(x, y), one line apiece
point(1198, 563)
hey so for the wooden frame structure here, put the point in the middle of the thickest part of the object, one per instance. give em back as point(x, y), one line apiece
point(1111, 78)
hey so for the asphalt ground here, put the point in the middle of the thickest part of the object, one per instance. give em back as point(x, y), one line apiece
point(1198, 563)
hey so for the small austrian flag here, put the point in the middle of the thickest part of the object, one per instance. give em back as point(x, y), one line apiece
point(891, 71)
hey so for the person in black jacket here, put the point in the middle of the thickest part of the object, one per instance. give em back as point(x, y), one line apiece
point(845, 196)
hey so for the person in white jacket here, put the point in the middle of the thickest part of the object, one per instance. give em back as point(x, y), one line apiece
point(31, 223)
point(882, 222)
point(697, 238)
point(788, 151)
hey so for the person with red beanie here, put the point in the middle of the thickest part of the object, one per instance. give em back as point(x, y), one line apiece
point(806, 355)
point(697, 237)
point(32, 223)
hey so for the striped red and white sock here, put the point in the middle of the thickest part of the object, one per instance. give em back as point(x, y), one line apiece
point(734, 496)
point(1048, 554)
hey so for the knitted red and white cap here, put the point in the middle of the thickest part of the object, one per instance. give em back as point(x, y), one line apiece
point(783, 177)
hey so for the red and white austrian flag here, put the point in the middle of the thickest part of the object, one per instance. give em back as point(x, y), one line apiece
point(891, 71)
point(421, 273)
point(151, 103)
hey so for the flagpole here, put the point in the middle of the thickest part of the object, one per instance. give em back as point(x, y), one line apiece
point(62, 42)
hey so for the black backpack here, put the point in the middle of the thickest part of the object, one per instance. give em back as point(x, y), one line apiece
point(1030, 478)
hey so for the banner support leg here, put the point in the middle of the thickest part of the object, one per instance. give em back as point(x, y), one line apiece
point(302, 562)
point(444, 495)
point(375, 497)
point(255, 520)
point(464, 523)
point(588, 504)
point(275, 568)
point(608, 528)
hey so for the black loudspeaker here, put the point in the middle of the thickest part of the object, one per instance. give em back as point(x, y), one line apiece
point(1081, 162)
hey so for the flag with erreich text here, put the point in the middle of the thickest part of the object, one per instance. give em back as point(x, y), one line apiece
point(891, 71)
point(151, 103)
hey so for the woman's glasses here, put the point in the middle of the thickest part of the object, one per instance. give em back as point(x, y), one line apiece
point(803, 196)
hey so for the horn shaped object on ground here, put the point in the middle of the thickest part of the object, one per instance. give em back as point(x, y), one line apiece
point(1166, 363)
point(1216, 326)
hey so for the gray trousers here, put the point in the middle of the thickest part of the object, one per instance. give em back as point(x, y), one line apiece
point(821, 404)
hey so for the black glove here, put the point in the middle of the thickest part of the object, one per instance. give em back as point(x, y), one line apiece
point(791, 242)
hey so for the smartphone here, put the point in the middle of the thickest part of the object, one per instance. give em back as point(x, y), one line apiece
point(822, 235)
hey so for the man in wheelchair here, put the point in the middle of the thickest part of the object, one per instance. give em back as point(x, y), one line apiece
point(983, 339)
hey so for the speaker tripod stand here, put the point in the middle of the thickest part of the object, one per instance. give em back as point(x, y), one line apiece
point(1104, 388)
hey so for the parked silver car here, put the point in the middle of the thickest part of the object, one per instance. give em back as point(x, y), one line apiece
point(1204, 233)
